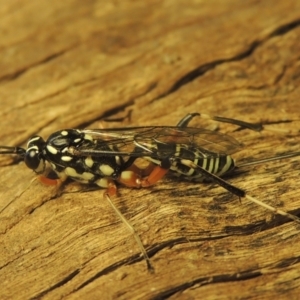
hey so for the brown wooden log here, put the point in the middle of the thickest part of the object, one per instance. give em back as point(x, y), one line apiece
point(71, 64)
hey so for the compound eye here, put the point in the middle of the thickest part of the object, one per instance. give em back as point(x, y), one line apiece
point(32, 159)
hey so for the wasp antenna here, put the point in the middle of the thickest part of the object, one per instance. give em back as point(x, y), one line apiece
point(132, 230)
point(12, 150)
point(273, 209)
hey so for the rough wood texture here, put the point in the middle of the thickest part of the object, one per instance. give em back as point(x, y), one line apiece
point(69, 64)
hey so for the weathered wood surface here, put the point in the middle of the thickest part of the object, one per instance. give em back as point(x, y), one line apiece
point(69, 64)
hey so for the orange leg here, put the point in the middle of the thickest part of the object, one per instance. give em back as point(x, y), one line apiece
point(111, 189)
point(142, 172)
point(132, 178)
point(48, 181)
point(156, 174)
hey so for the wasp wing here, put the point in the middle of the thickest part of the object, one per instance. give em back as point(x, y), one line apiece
point(117, 141)
point(191, 137)
point(157, 141)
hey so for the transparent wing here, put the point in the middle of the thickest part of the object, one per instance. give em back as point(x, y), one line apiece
point(192, 137)
point(142, 141)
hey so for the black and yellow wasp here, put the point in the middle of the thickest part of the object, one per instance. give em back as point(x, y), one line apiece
point(103, 156)
point(106, 156)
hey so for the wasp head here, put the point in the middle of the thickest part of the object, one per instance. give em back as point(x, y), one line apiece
point(34, 157)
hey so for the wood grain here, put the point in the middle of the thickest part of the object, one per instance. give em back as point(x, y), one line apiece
point(71, 64)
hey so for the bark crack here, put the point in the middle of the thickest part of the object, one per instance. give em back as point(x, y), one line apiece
point(201, 70)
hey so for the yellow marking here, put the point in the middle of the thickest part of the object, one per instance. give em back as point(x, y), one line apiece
point(51, 149)
point(227, 165)
point(84, 177)
point(32, 140)
point(211, 166)
point(29, 150)
point(66, 158)
point(65, 150)
point(102, 182)
point(217, 162)
point(126, 175)
point(71, 172)
point(64, 133)
point(89, 161)
point(204, 162)
point(87, 175)
point(118, 160)
point(192, 170)
point(88, 137)
point(177, 150)
point(62, 176)
point(106, 169)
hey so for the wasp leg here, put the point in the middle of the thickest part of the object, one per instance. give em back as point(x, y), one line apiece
point(186, 120)
point(48, 181)
point(61, 177)
point(156, 174)
point(132, 177)
point(242, 124)
point(109, 185)
point(142, 171)
point(111, 191)
point(183, 123)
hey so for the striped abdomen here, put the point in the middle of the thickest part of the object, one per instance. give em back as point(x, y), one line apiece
point(186, 161)
point(217, 164)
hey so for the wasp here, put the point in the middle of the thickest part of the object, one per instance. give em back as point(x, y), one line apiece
point(108, 156)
